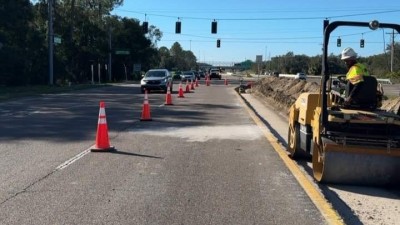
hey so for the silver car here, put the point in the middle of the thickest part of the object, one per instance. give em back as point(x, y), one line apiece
point(156, 79)
point(300, 76)
point(188, 76)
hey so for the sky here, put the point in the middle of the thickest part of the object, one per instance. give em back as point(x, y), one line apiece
point(264, 27)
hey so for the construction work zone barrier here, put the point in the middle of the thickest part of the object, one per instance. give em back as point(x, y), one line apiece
point(102, 142)
point(187, 87)
point(180, 92)
point(145, 109)
point(168, 97)
point(191, 85)
point(384, 81)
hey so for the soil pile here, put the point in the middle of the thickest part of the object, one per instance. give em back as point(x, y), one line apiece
point(282, 92)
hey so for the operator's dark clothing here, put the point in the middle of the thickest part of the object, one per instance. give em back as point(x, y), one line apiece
point(361, 88)
point(363, 94)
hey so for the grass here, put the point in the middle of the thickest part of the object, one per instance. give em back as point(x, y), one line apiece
point(7, 93)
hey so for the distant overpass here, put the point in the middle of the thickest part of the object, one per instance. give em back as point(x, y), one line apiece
point(224, 65)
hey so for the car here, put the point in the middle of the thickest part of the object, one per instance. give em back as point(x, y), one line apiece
point(275, 74)
point(202, 74)
point(215, 73)
point(177, 75)
point(156, 80)
point(196, 74)
point(300, 76)
point(188, 76)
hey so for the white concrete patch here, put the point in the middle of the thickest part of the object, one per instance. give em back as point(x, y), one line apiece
point(205, 133)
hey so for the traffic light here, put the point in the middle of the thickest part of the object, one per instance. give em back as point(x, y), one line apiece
point(178, 27)
point(214, 27)
point(218, 43)
point(339, 42)
point(145, 27)
point(362, 43)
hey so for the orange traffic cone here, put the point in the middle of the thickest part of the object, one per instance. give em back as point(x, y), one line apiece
point(168, 97)
point(197, 82)
point(146, 109)
point(191, 85)
point(187, 87)
point(102, 142)
point(180, 91)
point(208, 81)
point(226, 81)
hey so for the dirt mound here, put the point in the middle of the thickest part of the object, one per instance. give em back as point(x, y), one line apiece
point(282, 92)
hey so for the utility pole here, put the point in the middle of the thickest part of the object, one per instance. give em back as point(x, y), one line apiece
point(51, 40)
point(109, 54)
point(391, 50)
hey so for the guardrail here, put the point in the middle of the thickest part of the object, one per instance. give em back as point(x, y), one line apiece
point(384, 81)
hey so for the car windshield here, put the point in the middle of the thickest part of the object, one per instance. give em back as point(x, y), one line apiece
point(187, 73)
point(155, 74)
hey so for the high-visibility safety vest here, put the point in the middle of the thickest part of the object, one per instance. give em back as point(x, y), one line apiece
point(356, 73)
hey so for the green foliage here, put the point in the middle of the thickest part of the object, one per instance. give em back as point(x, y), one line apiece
point(176, 58)
point(85, 28)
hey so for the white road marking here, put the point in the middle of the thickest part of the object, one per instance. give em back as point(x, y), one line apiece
point(72, 160)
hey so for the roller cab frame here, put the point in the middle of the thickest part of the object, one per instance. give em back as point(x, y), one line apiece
point(347, 146)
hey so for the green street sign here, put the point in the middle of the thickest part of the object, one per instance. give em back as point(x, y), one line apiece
point(122, 52)
point(57, 40)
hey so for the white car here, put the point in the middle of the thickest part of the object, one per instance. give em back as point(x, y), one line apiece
point(300, 76)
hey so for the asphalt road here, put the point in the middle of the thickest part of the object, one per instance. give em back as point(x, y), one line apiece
point(202, 160)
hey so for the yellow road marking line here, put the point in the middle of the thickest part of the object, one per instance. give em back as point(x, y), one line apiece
point(326, 209)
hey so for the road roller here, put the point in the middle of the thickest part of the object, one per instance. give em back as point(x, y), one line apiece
point(347, 145)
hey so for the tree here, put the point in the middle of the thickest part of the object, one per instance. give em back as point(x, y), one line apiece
point(165, 58)
point(22, 45)
point(181, 59)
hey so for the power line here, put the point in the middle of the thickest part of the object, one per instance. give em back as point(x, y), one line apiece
point(261, 19)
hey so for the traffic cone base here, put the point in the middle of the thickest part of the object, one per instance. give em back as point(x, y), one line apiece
point(102, 142)
point(109, 149)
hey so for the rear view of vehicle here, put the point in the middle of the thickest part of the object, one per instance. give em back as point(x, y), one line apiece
point(188, 76)
point(156, 80)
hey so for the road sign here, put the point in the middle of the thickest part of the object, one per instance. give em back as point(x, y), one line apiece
point(122, 52)
point(258, 58)
point(137, 67)
point(57, 40)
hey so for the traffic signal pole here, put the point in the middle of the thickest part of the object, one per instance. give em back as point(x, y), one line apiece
point(51, 40)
